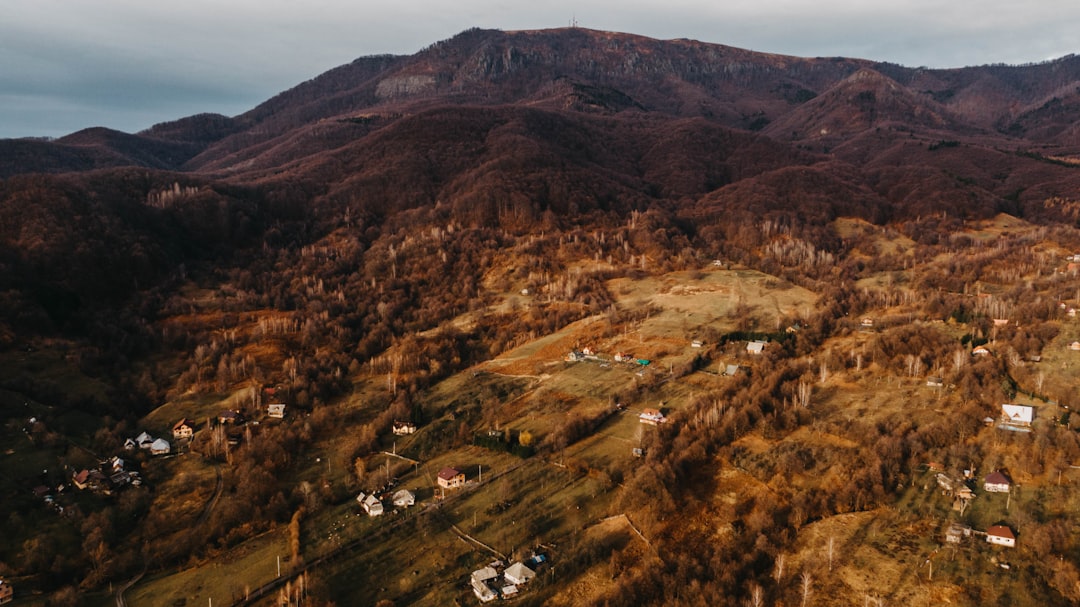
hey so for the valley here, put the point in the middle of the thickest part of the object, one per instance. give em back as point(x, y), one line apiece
point(708, 327)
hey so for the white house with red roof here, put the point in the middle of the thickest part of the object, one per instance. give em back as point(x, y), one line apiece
point(1001, 536)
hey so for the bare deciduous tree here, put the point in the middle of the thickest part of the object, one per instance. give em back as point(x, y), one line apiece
point(806, 583)
point(778, 569)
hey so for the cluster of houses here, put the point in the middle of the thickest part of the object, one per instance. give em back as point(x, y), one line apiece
point(588, 354)
point(372, 504)
point(111, 475)
point(492, 582)
point(995, 482)
point(999, 535)
point(145, 442)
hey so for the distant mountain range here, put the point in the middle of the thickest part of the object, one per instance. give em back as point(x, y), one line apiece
point(505, 127)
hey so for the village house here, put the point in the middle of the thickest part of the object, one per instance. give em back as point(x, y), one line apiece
point(518, 574)
point(89, 479)
point(996, 482)
point(1001, 536)
point(276, 411)
point(7, 593)
point(183, 429)
point(451, 478)
point(404, 428)
point(230, 417)
point(144, 440)
point(403, 498)
point(81, 479)
point(756, 347)
point(1075, 346)
point(1017, 415)
point(652, 417)
point(479, 581)
point(160, 447)
point(731, 370)
point(980, 351)
point(935, 381)
point(372, 505)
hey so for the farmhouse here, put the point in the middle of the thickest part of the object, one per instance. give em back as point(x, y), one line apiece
point(756, 347)
point(81, 479)
point(403, 498)
point(144, 440)
point(276, 410)
point(183, 429)
point(485, 574)
point(1001, 535)
point(372, 505)
point(230, 417)
point(404, 428)
point(1075, 346)
point(1017, 415)
point(160, 447)
point(996, 482)
point(483, 592)
point(652, 417)
point(518, 574)
point(935, 381)
point(7, 593)
point(981, 351)
point(451, 478)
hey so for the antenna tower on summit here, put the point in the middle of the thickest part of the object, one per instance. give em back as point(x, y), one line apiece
point(573, 20)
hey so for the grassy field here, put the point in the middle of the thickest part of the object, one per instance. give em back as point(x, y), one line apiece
point(224, 579)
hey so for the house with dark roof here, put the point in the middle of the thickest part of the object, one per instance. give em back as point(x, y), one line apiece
point(451, 478)
point(183, 429)
point(996, 482)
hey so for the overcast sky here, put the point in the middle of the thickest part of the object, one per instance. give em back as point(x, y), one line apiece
point(128, 64)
